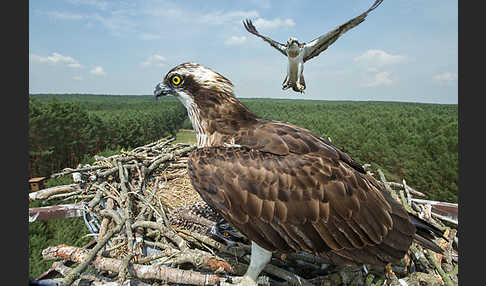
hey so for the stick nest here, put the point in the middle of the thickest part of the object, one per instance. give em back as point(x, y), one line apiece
point(151, 227)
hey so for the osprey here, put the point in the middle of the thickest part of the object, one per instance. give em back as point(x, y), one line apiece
point(299, 53)
point(284, 187)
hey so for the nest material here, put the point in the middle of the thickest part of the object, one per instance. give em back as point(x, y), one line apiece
point(151, 226)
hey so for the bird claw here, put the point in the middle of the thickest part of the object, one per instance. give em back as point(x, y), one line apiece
point(296, 87)
point(389, 272)
point(300, 88)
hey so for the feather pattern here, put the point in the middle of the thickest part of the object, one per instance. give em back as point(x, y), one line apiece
point(294, 219)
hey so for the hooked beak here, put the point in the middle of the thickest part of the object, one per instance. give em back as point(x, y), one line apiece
point(161, 90)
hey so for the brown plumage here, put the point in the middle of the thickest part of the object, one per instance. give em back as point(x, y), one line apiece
point(284, 187)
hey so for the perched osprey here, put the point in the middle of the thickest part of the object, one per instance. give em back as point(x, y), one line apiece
point(299, 53)
point(284, 187)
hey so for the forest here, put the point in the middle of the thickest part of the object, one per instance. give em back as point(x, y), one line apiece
point(412, 141)
point(63, 129)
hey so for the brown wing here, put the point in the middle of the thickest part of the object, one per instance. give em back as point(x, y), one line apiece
point(304, 202)
point(320, 44)
point(283, 138)
point(251, 28)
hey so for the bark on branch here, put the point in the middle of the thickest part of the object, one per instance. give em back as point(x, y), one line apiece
point(46, 193)
point(164, 273)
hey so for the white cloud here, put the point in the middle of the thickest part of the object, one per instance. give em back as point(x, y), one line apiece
point(175, 14)
point(98, 70)
point(121, 19)
point(165, 12)
point(379, 58)
point(235, 40)
point(446, 77)
point(218, 18)
point(78, 77)
point(264, 24)
point(154, 60)
point(117, 24)
point(381, 78)
point(56, 58)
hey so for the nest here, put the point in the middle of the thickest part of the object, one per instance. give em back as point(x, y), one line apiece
point(152, 228)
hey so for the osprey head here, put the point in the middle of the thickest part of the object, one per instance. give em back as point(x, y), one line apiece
point(207, 96)
point(292, 41)
point(188, 81)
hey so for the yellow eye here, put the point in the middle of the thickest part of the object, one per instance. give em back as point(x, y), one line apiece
point(176, 80)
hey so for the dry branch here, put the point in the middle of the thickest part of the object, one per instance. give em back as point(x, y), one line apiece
point(408, 188)
point(163, 273)
point(90, 255)
point(46, 193)
point(387, 185)
point(170, 234)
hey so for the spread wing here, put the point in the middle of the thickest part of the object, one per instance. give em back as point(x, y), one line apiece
point(251, 28)
point(320, 44)
point(303, 202)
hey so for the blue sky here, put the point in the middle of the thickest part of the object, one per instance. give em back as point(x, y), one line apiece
point(405, 50)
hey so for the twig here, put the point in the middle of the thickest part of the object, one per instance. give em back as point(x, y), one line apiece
point(147, 202)
point(96, 200)
point(69, 171)
point(46, 193)
point(431, 256)
point(408, 188)
point(106, 220)
point(64, 270)
point(405, 203)
point(197, 219)
point(89, 257)
point(170, 234)
point(387, 185)
point(198, 258)
point(409, 197)
point(170, 156)
point(206, 240)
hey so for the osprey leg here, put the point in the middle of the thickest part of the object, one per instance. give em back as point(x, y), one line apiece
point(285, 83)
point(259, 258)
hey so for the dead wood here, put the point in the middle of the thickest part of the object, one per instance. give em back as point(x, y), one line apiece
point(163, 273)
point(46, 193)
point(407, 188)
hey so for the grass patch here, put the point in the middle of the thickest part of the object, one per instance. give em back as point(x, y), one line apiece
point(186, 136)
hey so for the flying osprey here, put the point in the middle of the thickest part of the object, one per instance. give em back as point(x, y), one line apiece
point(299, 53)
point(284, 187)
